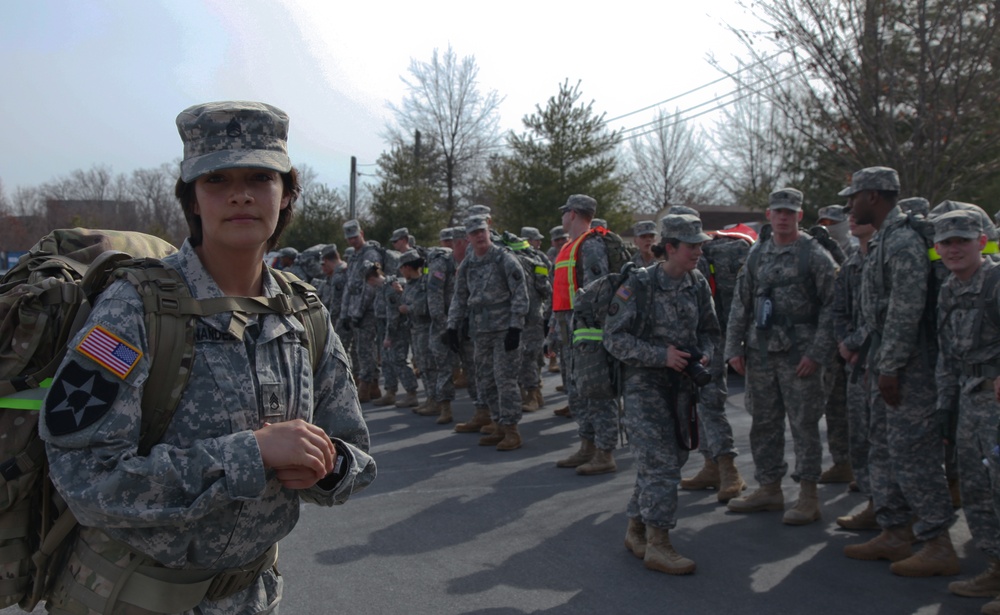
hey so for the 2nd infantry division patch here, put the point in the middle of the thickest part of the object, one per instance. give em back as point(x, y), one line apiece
point(109, 351)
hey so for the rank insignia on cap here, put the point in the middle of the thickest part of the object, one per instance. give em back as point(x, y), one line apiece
point(623, 293)
point(110, 351)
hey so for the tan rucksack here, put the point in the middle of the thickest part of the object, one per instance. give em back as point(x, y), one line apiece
point(44, 301)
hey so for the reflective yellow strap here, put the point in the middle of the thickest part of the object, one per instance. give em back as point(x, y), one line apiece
point(426, 270)
point(588, 335)
point(711, 268)
point(932, 255)
point(569, 262)
point(991, 248)
point(520, 245)
point(30, 399)
point(539, 270)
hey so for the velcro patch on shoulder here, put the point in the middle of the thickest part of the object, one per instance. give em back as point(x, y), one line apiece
point(109, 351)
point(623, 293)
point(439, 275)
point(78, 398)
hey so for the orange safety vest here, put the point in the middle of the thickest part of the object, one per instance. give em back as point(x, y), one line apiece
point(564, 281)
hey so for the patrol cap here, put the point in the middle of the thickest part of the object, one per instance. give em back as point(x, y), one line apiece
point(446, 234)
point(785, 198)
point(288, 252)
point(480, 210)
point(596, 222)
point(683, 209)
point(458, 232)
point(331, 252)
point(683, 227)
point(872, 178)
point(352, 228)
point(474, 223)
point(530, 232)
point(958, 223)
point(400, 233)
point(915, 204)
point(409, 257)
point(984, 218)
point(580, 202)
point(558, 232)
point(833, 212)
point(233, 134)
point(645, 227)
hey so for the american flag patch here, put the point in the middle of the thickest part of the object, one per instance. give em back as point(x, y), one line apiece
point(439, 275)
point(110, 351)
point(623, 293)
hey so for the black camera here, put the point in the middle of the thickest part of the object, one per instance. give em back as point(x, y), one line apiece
point(694, 369)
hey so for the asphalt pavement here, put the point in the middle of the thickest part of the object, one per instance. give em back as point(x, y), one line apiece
point(453, 527)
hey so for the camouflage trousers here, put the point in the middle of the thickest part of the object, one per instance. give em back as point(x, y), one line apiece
point(650, 422)
point(496, 377)
point(390, 374)
point(347, 339)
point(596, 419)
point(366, 343)
point(559, 345)
point(835, 410)
point(532, 341)
point(979, 468)
point(440, 360)
point(715, 434)
point(420, 346)
point(906, 455)
point(858, 420)
point(467, 358)
point(776, 391)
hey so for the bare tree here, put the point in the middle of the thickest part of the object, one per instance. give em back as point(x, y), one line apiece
point(444, 104)
point(664, 165)
point(153, 192)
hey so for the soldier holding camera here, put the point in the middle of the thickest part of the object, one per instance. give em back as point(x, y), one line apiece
point(780, 332)
point(660, 323)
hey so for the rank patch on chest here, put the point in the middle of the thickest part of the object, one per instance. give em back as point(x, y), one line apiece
point(109, 351)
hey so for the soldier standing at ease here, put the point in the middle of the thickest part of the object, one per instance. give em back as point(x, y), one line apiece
point(357, 314)
point(968, 376)
point(658, 317)
point(490, 289)
point(439, 286)
point(645, 237)
point(539, 287)
point(780, 332)
point(906, 455)
point(412, 307)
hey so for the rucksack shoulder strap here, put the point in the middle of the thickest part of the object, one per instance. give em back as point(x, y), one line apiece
point(305, 299)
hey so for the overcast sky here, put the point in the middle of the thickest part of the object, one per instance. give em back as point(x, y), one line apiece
point(100, 81)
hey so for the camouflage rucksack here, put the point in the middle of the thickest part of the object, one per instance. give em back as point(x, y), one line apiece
point(44, 301)
point(596, 373)
point(619, 252)
point(533, 262)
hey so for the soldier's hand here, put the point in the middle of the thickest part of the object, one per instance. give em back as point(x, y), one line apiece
point(739, 365)
point(512, 340)
point(296, 477)
point(404, 309)
point(888, 386)
point(677, 359)
point(296, 444)
point(848, 355)
point(806, 367)
point(450, 339)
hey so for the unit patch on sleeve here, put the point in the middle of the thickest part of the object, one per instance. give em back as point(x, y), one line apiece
point(109, 351)
point(77, 399)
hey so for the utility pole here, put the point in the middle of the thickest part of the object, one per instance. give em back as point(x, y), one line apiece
point(354, 188)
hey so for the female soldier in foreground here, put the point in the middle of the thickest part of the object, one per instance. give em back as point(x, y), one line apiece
point(656, 341)
point(192, 526)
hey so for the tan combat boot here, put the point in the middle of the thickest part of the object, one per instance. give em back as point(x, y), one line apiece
point(838, 473)
point(409, 400)
point(731, 484)
point(863, 520)
point(488, 428)
point(635, 538)
point(563, 411)
point(431, 408)
point(539, 398)
point(602, 462)
point(706, 478)
point(445, 417)
point(373, 391)
point(893, 544)
point(985, 585)
point(459, 379)
point(387, 399)
point(511, 438)
point(991, 608)
point(580, 457)
point(553, 365)
point(530, 401)
point(364, 392)
point(937, 557)
point(494, 438)
point(480, 418)
point(806, 509)
point(766, 497)
point(660, 554)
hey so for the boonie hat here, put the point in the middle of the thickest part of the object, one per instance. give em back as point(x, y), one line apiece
point(785, 198)
point(233, 134)
point(958, 223)
point(352, 228)
point(645, 227)
point(832, 212)
point(683, 227)
point(872, 178)
point(580, 202)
